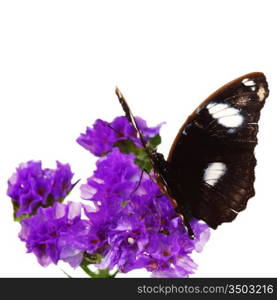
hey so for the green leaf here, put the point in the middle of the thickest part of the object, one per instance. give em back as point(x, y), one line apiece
point(127, 146)
point(142, 159)
point(143, 162)
point(154, 142)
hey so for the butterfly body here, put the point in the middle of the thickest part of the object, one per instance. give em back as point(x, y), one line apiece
point(209, 173)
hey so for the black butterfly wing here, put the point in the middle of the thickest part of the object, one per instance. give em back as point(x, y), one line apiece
point(211, 162)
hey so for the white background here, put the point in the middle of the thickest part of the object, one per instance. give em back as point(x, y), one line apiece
point(60, 62)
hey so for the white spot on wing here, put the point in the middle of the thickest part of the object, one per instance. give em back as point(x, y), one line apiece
point(231, 121)
point(225, 114)
point(214, 172)
point(216, 107)
point(228, 111)
point(253, 88)
point(261, 93)
point(248, 82)
point(231, 130)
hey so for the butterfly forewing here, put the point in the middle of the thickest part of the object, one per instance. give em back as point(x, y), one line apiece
point(211, 162)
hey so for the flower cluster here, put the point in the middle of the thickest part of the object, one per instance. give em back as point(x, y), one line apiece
point(127, 222)
point(133, 225)
point(56, 233)
point(103, 136)
point(31, 186)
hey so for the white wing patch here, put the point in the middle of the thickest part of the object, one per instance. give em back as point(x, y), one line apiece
point(261, 93)
point(248, 82)
point(225, 114)
point(214, 172)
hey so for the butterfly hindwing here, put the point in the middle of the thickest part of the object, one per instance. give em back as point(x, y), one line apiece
point(211, 162)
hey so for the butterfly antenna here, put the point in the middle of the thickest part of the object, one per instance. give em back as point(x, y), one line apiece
point(116, 131)
point(130, 117)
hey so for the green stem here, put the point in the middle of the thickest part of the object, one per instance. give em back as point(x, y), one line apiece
point(101, 273)
point(114, 274)
point(85, 268)
point(65, 273)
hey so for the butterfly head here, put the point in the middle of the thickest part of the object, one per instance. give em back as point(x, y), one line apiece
point(158, 161)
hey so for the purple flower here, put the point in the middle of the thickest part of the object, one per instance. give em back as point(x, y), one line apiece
point(103, 136)
point(132, 225)
point(31, 186)
point(56, 233)
point(129, 223)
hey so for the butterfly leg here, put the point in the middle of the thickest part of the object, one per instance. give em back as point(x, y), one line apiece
point(180, 211)
point(161, 195)
point(139, 182)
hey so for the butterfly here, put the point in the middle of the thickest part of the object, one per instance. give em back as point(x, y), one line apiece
point(209, 173)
